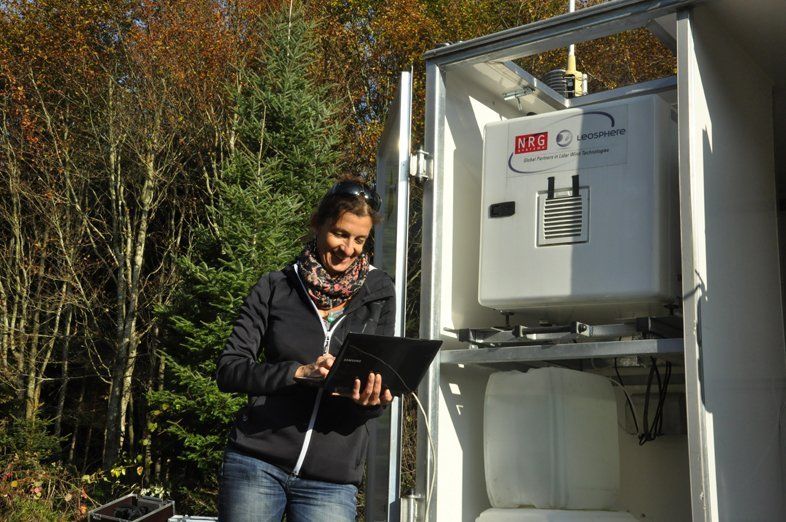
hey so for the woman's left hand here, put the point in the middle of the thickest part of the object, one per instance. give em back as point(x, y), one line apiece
point(372, 394)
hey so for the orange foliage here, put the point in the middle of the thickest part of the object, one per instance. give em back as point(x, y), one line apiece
point(194, 47)
point(186, 42)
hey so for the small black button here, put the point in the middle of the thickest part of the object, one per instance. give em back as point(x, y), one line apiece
point(498, 210)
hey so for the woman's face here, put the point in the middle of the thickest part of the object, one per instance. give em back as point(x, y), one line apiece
point(340, 243)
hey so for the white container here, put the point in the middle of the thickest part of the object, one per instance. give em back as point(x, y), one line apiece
point(550, 440)
point(613, 242)
point(552, 515)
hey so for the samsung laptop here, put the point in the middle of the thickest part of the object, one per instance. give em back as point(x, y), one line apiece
point(402, 363)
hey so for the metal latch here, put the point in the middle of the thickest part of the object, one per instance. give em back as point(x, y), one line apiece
point(517, 95)
point(420, 165)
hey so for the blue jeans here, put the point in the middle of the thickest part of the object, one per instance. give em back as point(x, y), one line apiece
point(253, 490)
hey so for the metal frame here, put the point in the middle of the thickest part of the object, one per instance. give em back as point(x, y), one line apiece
point(400, 278)
point(428, 391)
point(546, 94)
point(388, 474)
point(639, 89)
point(663, 35)
point(699, 471)
point(540, 89)
point(586, 24)
point(669, 327)
point(560, 31)
point(560, 352)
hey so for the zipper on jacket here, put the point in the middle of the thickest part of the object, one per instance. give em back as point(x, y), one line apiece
point(328, 332)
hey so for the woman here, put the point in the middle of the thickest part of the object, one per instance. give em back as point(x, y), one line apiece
point(294, 449)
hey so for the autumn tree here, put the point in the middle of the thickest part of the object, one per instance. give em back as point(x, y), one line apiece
point(163, 125)
point(43, 270)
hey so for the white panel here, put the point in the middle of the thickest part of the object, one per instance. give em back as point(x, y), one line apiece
point(460, 476)
point(736, 373)
point(469, 107)
point(393, 186)
point(655, 483)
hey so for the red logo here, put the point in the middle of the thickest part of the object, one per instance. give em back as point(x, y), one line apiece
point(532, 142)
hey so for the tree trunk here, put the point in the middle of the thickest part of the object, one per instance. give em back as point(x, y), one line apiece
point(77, 422)
point(86, 450)
point(160, 387)
point(31, 375)
point(113, 414)
point(149, 384)
point(136, 274)
point(5, 330)
point(130, 440)
point(54, 336)
point(120, 224)
point(133, 250)
point(21, 291)
point(61, 393)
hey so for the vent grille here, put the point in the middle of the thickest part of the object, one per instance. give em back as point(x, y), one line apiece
point(563, 218)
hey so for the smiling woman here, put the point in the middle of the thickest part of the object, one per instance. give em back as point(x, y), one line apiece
point(295, 450)
point(341, 243)
point(342, 223)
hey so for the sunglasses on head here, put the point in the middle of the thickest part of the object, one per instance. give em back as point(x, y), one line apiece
point(352, 188)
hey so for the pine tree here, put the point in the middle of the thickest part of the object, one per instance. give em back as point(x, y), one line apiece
point(282, 162)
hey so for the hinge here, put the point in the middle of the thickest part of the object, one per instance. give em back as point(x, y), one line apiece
point(420, 165)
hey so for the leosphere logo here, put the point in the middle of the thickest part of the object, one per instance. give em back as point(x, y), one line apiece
point(564, 138)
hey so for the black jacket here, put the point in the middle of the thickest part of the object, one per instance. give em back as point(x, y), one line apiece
point(279, 318)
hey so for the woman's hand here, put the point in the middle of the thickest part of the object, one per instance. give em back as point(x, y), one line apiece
point(372, 394)
point(318, 368)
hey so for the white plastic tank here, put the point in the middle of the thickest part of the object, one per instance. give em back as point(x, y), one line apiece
point(580, 208)
point(550, 440)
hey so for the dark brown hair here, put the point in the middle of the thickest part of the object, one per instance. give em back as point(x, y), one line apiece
point(333, 206)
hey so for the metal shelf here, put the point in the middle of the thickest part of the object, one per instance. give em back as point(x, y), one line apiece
point(561, 352)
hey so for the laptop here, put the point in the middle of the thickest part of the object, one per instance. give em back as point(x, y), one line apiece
point(401, 361)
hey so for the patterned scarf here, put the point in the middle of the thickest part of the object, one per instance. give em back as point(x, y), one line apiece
point(325, 290)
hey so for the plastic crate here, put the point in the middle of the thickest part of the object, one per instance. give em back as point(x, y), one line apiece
point(158, 510)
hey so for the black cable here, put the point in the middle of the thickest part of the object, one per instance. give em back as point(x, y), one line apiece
point(646, 436)
point(657, 419)
point(627, 398)
point(662, 399)
point(655, 429)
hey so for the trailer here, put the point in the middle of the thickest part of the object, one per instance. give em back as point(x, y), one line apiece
point(709, 222)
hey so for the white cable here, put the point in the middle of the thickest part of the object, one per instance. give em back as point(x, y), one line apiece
point(632, 407)
point(430, 484)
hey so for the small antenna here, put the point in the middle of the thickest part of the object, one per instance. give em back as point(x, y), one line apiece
point(572, 47)
point(576, 80)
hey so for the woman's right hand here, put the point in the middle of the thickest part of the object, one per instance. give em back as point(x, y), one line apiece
point(318, 368)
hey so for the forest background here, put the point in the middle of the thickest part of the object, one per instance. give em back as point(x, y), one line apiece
point(156, 157)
